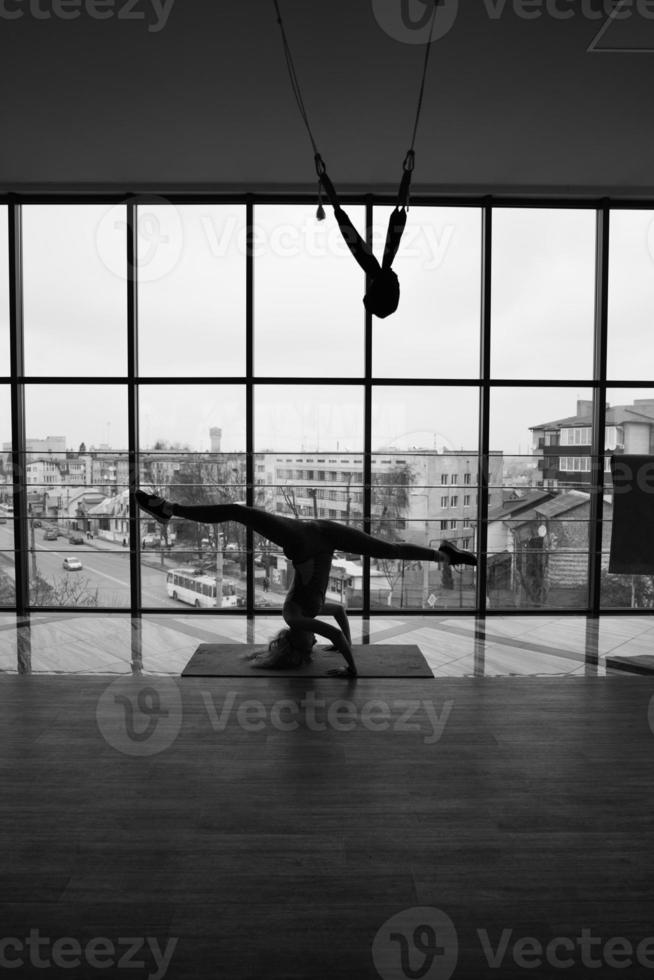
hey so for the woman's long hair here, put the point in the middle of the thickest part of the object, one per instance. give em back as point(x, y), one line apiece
point(290, 648)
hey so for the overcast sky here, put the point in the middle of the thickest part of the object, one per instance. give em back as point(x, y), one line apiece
point(309, 320)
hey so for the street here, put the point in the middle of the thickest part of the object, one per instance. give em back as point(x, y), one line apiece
point(104, 570)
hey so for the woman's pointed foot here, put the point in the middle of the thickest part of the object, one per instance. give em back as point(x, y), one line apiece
point(157, 507)
point(456, 556)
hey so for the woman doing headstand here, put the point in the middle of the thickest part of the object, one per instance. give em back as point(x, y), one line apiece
point(309, 545)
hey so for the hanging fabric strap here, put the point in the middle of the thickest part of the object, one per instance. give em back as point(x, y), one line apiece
point(397, 222)
point(396, 225)
point(295, 85)
point(356, 244)
point(425, 63)
point(359, 248)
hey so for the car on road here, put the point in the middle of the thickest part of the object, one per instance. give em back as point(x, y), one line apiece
point(72, 564)
point(76, 539)
point(36, 523)
point(50, 535)
point(3, 520)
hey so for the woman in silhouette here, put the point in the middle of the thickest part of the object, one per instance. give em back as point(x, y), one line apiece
point(309, 545)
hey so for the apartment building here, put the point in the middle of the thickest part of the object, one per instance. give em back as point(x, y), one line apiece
point(564, 446)
point(420, 496)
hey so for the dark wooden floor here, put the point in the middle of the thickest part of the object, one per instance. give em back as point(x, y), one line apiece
point(281, 854)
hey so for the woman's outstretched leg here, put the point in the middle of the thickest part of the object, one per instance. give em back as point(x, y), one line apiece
point(300, 540)
point(282, 531)
point(341, 537)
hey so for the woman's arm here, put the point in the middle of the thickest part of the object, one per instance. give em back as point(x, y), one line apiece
point(337, 610)
point(296, 619)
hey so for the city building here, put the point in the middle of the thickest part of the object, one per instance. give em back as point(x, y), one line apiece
point(564, 446)
point(419, 496)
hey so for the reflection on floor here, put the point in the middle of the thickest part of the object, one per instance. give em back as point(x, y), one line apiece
point(453, 646)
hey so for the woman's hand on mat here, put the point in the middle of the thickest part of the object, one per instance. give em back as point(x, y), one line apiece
point(342, 672)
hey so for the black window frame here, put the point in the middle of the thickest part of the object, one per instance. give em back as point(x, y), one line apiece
point(599, 384)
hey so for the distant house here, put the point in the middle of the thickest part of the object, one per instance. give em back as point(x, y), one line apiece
point(110, 517)
point(75, 506)
point(564, 446)
point(544, 559)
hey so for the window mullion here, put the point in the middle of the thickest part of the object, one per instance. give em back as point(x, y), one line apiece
point(596, 516)
point(18, 438)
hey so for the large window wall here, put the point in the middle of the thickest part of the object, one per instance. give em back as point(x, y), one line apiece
point(219, 351)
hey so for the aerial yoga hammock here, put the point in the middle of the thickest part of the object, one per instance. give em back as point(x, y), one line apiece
point(383, 287)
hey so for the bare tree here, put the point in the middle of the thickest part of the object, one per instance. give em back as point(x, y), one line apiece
point(157, 473)
point(69, 590)
point(392, 570)
point(288, 493)
point(391, 496)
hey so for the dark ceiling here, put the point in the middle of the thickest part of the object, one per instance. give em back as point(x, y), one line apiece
point(514, 103)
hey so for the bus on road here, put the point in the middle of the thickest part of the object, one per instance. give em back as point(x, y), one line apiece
point(184, 585)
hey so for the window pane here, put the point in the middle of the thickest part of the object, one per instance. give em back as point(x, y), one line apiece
point(309, 443)
point(435, 330)
point(75, 292)
point(76, 470)
point(538, 519)
point(631, 295)
point(192, 290)
point(8, 644)
point(7, 576)
point(308, 485)
point(543, 293)
point(192, 418)
point(88, 644)
point(169, 642)
point(192, 452)
point(424, 491)
point(309, 314)
point(629, 429)
point(320, 419)
point(4, 292)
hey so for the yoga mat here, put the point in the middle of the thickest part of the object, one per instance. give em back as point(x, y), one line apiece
point(373, 660)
